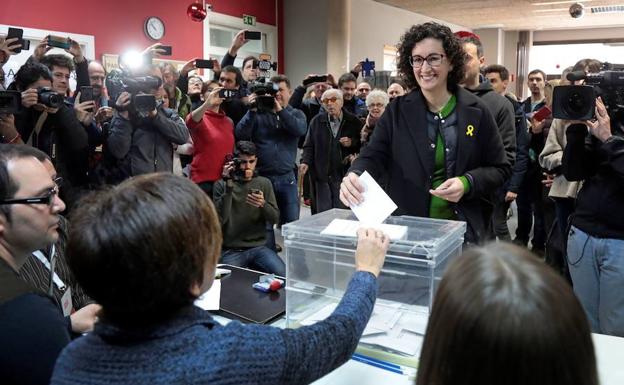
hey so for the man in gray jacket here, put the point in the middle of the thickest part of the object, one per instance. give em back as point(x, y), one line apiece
point(145, 143)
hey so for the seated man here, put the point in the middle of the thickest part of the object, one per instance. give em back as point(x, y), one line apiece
point(245, 203)
point(159, 237)
point(33, 331)
point(47, 269)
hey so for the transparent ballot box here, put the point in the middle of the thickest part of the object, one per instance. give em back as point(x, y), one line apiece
point(319, 268)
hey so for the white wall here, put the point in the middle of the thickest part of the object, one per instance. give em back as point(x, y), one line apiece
point(579, 34)
point(305, 38)
point(374, 25)
point(308, 44)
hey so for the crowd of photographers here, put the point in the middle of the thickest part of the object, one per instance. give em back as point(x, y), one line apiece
point(254, 143)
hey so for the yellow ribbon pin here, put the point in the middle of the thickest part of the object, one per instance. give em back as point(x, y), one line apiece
point(470, 130)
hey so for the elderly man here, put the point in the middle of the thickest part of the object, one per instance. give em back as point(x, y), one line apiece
point(34, 330)
point(332, 141)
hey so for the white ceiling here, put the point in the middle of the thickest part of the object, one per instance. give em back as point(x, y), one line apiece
point(513, 14)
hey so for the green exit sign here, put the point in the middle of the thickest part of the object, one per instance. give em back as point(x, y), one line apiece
point(249, 20)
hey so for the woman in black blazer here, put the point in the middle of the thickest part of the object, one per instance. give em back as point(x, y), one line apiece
point(438, 146)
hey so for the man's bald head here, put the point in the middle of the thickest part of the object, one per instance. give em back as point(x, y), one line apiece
point(96, 77)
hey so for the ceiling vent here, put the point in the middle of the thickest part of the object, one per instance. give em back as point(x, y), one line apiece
point(608, 9)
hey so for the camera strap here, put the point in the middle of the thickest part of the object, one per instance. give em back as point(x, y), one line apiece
point(37, 129)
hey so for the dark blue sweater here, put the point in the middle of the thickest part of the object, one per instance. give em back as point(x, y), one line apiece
point(275, 136)
point(195, 349)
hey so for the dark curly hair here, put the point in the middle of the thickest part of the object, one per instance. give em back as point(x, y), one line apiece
point(452, 49)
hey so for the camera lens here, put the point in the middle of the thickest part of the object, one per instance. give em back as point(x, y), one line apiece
point(577, 102)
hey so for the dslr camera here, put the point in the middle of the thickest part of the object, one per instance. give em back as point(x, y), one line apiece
point(265, 91)
point(11, 101)
point(119, 81)
point(579, 102)
point(48, 97)
point(237, 173)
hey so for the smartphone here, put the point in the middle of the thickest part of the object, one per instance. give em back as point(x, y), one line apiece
point(86, 94)
point(253, 35)
point(227, 94)
point(203, 63)
point(18, 33)
point(58, 42)
point(542, 114)
point(255, 191)
point(166, 49)
point(315, 79)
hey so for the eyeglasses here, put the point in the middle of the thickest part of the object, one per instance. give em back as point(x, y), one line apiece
point(47, 199)
point(434, 60)
point(327, 100)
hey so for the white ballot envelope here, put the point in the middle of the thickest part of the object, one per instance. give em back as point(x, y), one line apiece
point(377, 205)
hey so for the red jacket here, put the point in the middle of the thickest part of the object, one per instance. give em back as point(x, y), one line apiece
point(213, 139)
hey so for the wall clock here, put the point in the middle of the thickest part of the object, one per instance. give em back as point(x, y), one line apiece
point(154, 28)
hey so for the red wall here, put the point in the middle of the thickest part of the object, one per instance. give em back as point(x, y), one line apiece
point(118, 25)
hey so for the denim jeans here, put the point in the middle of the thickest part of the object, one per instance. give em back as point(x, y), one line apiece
point(259, 258)
point(597, 270)
point(287, 197)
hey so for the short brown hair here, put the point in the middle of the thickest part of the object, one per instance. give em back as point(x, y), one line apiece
point(139, 247)
point(501, 316)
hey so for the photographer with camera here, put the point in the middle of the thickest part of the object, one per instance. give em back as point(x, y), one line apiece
point(250, 63)
point(311, 106)
point(46, 122)
point(595, 154)
point(142, 131)
point(275, 128)
point(245, 202)
point(234, 106)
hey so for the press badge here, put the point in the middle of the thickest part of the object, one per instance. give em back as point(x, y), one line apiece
point(66, 302)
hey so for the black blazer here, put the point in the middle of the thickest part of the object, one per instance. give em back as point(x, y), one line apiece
point(318, 144)
point(401, 150)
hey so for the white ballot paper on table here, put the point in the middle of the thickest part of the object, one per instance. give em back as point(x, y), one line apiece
point(211, 299)
point(377, 206)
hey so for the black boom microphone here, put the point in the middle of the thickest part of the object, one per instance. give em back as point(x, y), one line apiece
point(576, 75)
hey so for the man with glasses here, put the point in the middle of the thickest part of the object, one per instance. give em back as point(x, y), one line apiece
point(245, 204)
point(33, 329)
point(332, 139)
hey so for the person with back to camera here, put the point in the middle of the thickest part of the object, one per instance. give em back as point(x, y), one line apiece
point(501, 316)
point(438, 146)
point(159, 236)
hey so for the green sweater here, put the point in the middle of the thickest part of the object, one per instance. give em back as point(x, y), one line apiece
point(243, 225)
point(438, 207)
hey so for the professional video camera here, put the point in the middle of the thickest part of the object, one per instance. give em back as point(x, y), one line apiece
point(119, 81)
point(579, 102)
point(264, 64)
point(265, 91)
point(10, 102)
